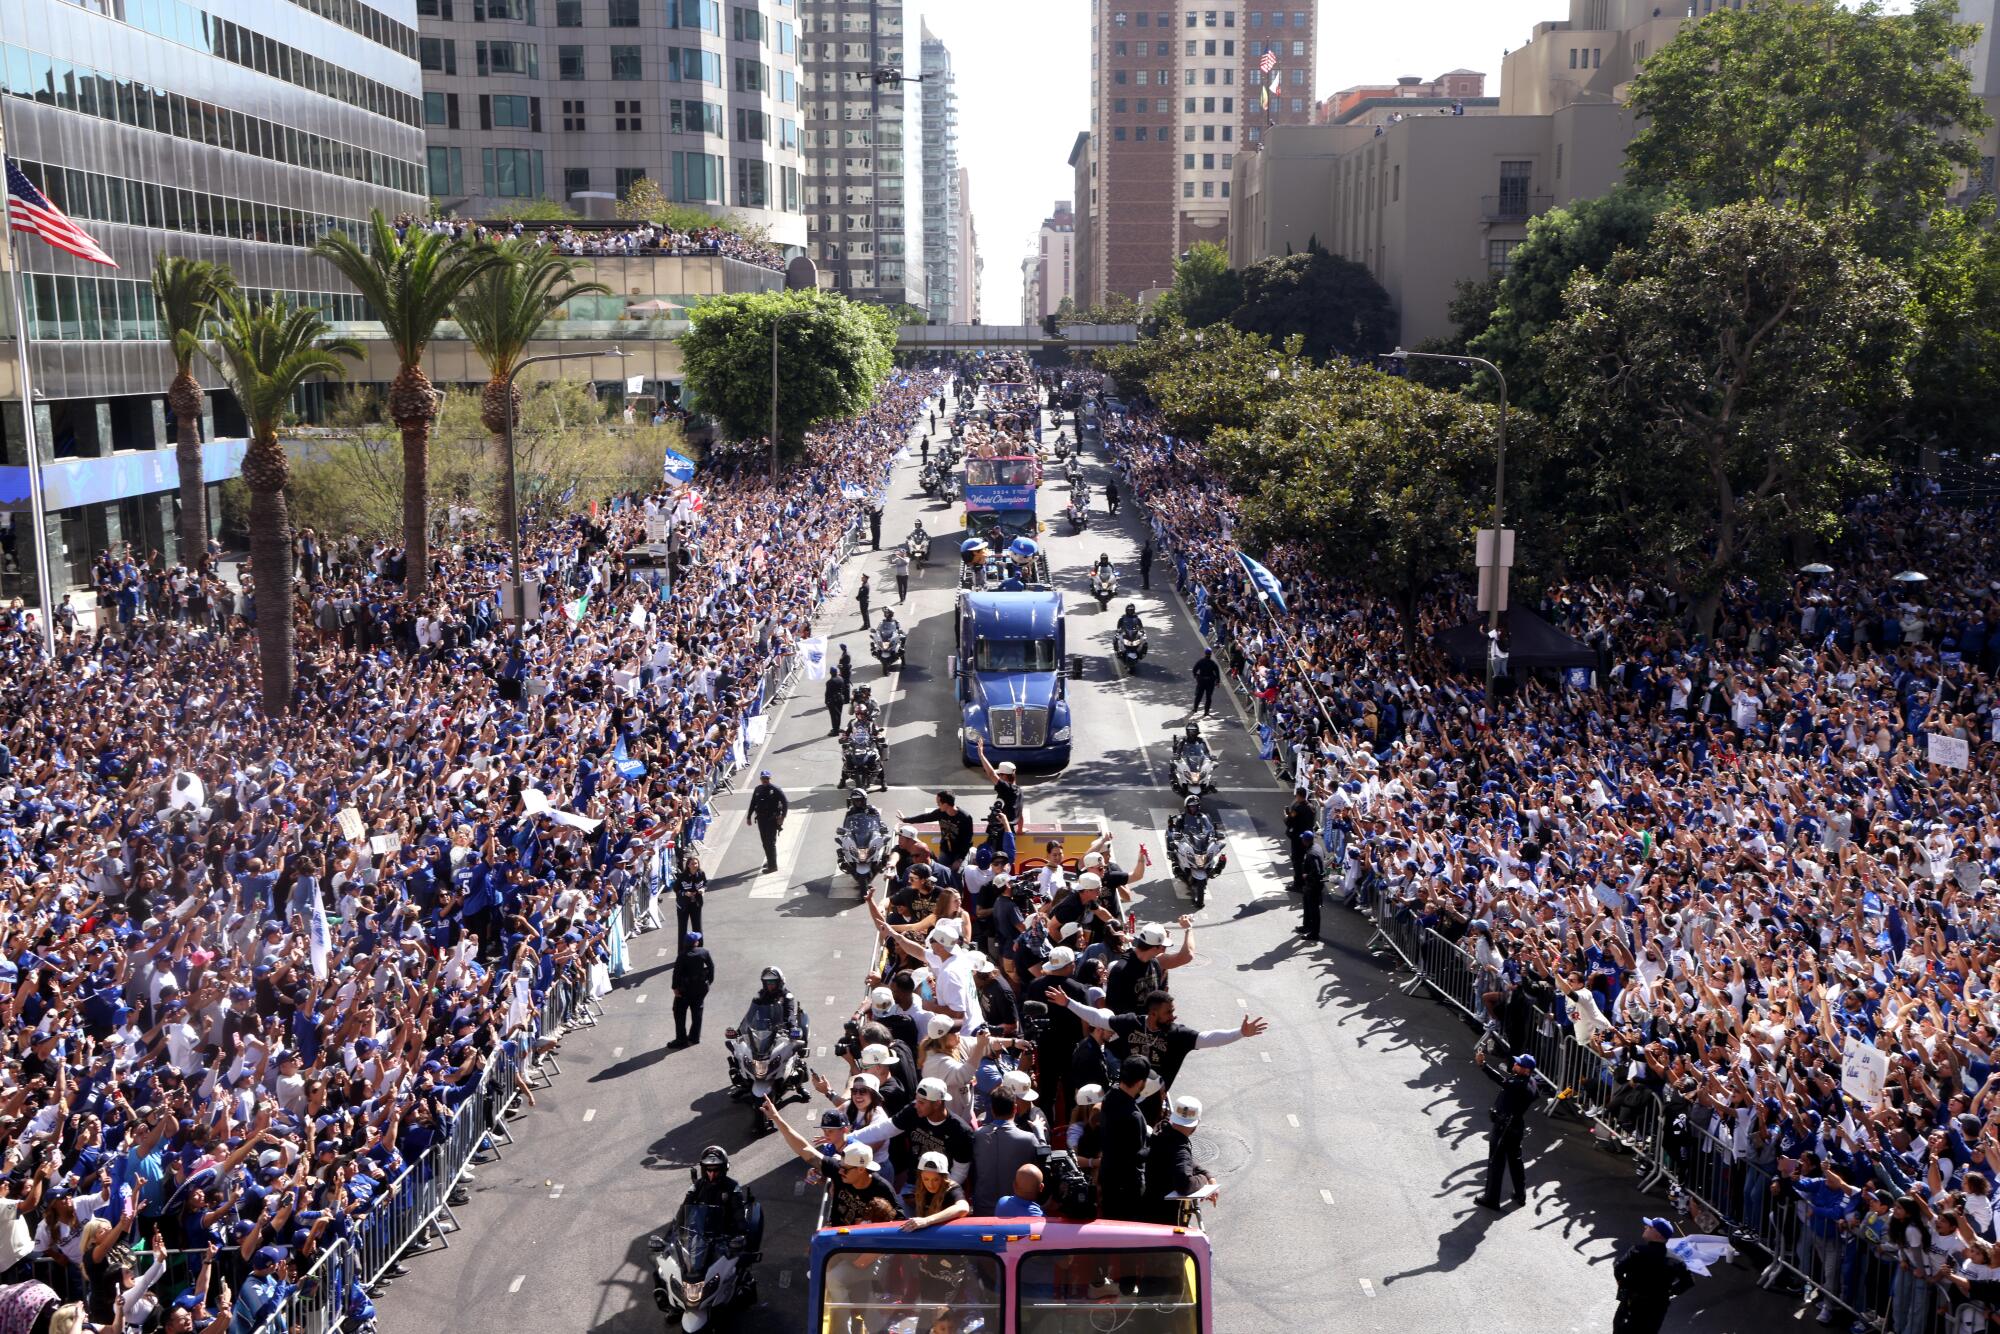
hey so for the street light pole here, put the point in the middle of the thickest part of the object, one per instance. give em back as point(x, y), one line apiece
point(1499, 462)
point(513, 494)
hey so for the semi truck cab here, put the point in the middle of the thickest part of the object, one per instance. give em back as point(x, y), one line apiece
point(1009, 677)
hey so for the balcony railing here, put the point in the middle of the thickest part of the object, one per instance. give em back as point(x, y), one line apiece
point(1514, 208)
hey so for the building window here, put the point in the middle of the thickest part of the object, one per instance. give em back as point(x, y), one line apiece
point(626, 66)
point(1140, 133)
point(1117, 106)
point(625, 117)
point(1597, 58)
point(1228, 106)
point(623, 14)
point(752, 183)
point(697, 178)
point(1187, 162)
point(1208, 189)
point(1500, 257)
point(573, 117)
point(1256, 18)
point(576, 180)
point(511, 173)
point(434, 109)
point(1396, 183)
point(1189, 106)
point(439, 54)
point(1298, 104)
point(1118, 133)
point(1187, 189)
point(1572, 57)
point(629, 177)
point(692, 117)
point(1225, 189)
point(507, 112)
point(1227, 132)
point(1187, 134)
point(1559, 161)
point(569, 13)
point(1228, 161)
point(569, 63)
point(447, 173)
point(508, 58)
point(1208, 162)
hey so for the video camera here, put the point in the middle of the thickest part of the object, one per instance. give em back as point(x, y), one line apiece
point(1034, 1020)
point(1067, 1194)
point(849, 1043)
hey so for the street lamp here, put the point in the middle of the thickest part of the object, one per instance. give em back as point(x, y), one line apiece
point(520, 598)
point(1499, 466)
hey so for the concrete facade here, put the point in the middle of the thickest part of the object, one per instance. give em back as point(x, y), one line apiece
point(944, 206)
point(1452, 85)
point(556, 99)
point(1083, 168)
point(971, 269)
point(1054, 263)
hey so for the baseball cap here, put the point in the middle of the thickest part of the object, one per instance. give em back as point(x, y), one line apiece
point(764, 773)
point(982, 964)
point(859, 1155)
point(882, 1000)
point(1092, 860)
point(267, 1256)
point(1525, 1062)
point(876, 1054)
point(867, 1081)
point(1089, 880)
point(831, 1119)
point(1151, 934)
point(1661, 1226)
point(1090, 1095)
point(1187, 1112)
point(1004, 767)
point(931, 1090)
point(1016, 1085)
point(933, 1162)
point(1062, 956)
point(942, 936)
point(940, 1025)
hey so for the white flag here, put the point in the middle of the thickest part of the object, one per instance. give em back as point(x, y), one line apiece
point(755, 729)
point(319, 941)
point(815, 651)
point(1700, 1251)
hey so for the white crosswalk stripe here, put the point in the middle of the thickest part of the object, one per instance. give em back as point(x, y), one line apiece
point(778, 884)
point(1253, 855)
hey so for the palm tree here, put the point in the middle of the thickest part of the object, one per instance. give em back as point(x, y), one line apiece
point(500, 311)
point(265, 353)
point(185, 291)
point(410, 282)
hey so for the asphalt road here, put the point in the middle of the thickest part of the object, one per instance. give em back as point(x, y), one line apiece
point(1348, 1140)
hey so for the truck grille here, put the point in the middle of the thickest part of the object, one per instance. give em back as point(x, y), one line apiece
point(1020, 725)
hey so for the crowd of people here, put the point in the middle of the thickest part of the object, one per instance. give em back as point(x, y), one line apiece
point(257, 969)
point(640, 238)
point(1721, 862)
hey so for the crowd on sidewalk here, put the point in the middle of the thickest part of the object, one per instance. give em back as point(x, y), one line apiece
point(639, 238)
point(1720, 862)
point(253, 969)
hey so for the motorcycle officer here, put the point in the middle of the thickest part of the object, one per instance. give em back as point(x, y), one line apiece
point(743, 1217)
point(1195, 819)
point(887, 631)
point(1190, 746)
point(771, 990)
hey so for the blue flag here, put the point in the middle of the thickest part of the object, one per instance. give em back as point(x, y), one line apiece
point(1266, 583)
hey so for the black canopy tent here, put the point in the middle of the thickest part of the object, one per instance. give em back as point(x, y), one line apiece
point(1531, 642)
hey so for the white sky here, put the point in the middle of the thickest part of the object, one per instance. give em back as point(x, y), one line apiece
point(1023, 77)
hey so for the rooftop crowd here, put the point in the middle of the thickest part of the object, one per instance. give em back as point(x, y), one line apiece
point(1715, 861)
point(643, 238)
point(184, 1070)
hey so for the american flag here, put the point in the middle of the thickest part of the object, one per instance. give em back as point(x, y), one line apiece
point(1267, 62)
point(31, 211)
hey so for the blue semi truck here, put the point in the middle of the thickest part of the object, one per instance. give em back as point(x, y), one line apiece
point(1009, 670)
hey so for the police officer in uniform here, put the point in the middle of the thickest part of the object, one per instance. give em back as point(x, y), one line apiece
point(1300, 818)
point(1311, 864)
point(837, 694)
point(768, 808)
point(1648, 1279)
point(693, 975)
point(1510, 1122)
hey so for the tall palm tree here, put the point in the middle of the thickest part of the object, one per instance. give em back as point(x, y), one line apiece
point(410, 282)
point(265, 353)
point(186, 290)
point(500, 311)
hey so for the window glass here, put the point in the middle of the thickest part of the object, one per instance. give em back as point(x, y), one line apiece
point(867, 1290)
point(1157, 1291)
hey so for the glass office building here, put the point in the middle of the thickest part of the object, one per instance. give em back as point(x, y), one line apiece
point(234, 130)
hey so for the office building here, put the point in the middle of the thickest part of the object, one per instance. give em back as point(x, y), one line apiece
point(1031, 289)
point(966, 262)
point(241, 137)
point(1083, 172)
point(1054, 262)
point(1175, 95)
point(575, 100)
point(864, 152)
point(1451, 86)
point(944, 208)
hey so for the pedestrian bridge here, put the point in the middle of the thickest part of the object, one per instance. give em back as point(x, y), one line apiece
point(1000, 337)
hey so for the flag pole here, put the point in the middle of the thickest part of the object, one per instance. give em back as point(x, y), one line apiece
point(37, 511)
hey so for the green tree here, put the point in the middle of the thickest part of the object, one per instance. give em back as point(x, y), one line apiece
point(1117, 309)
point(410, 282)
point(1581, 237)
point(533, 210)
point(644, 201)
point(1955, 376)
point(1206, 290)
point(501, 310)
point(1333, 303)
point(1824, 108)
point(1202, 380)
point(186, 291)
point(265, 353)
point(832, 354)
point(1728, 388)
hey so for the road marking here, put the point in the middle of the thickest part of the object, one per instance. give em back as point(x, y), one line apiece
point(641, 1000)
point(555, 1192)
point(1266, 1056)
point(590, 1116)
point(1325, 1195)
point(836, 953)
point(1242, 1004)
point(1132, 712)
point(1366, 1287)
point(1292, 1119)
point(830, 999)
point(785, 1278)
point(1250, 853)
point(777, 884)
point(822, 1053)
point(617, 1051)
point(663, 952)
point(515, 1286)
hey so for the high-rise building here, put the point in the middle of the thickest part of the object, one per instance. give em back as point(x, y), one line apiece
point(864, 153)
point(944, 208)
point(576, 100)
point(1083, 171)
point(1031, 289)
point(1175, 95)
point(240, 133)
point(1055, 261)
point(966, 262)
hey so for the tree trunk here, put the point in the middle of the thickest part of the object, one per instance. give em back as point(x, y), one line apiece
point(494, 408)
point(413, 407)
point(271, 568)
point(1705, 608)
point(184, 396)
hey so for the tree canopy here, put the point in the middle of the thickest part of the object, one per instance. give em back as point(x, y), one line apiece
point(1206, 290)
point(833, 355)
point(1334, 304)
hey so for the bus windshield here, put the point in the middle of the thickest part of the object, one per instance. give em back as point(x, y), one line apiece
point(925, 1292)
point(1014, 655)
point(999, 472)
point(1133, 1292)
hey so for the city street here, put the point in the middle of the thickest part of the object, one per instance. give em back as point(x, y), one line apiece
point(1348, 1140)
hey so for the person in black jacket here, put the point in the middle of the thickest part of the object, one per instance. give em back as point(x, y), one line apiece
point(693, 975)
point(1510, 1122)
point(1648, 1279)
point(954, 829)
point(768, 808)
point(1206, 676)
point(1121, 1171)
point(837, 692)
point(1301, 818)
point(1170, 1165)
point(1311, 871)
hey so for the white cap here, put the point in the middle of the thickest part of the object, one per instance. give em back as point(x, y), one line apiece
point(1004, 767)
point(1092, 860)
point(933, 1162)
point(982, 964)
point(906, 831)
point(876, 1054)
point(1016, 1085)
point(868, 1081)
point(940, 1025)
point(1187, 1112)
point(1154, 1084)
point(1068, 929)
point(1090, 1095)
point(882, 1001)
point(1089, 880)
point(859, 1155)
point(931, 1090)
point(942, 937)
point(1062, 956)
point(1151, 934)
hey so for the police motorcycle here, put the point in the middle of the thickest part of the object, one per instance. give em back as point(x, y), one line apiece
point(1194, 764)
point(704, 1262)
point(888, 640)
point(918, 544)
point(861, 845)
point(1103, 582)
point(1078, 513)
point(1130, 638)
point(767, 1050)
point(861, 762)
point(1195, 850)
point(931, 476)
point(1073, 473)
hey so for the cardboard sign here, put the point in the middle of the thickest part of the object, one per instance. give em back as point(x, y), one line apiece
point(1864, 1069)
point(1950, 751)
point(351, 827)
point(383, 845)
